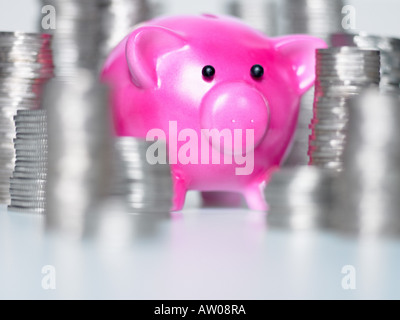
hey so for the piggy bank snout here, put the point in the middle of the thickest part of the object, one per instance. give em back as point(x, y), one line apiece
point(239, 108)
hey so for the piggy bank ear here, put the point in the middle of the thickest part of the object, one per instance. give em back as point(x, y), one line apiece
point(299, 50)
point(145, 46)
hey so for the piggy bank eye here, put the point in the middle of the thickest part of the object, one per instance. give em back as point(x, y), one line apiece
point(257, 71)
point(208, 72)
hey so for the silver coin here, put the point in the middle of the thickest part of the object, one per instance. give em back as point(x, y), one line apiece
point(33, 192)
point(34, 121)
point(23, 170)
point(32, 138)
point(26, 164)
point(30, 145)
point(27, 193)
point(38, 159)
point(27, 181)
point(24, 117)
point(28, 204)
point(22, 175)
point(31, 133)
point(27, 197)
point(32, 113)
point(31, 186)
point(26, 210)
point(31, 153)
point(32, 171)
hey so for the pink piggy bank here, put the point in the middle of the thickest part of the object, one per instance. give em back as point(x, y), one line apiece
point(223, 95)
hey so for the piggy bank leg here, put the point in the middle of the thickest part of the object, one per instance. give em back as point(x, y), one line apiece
point(255, 197)
point(254, 194)
point(180, 190)
point(222, 199)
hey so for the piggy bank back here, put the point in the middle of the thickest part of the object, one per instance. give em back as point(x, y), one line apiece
point(223, 95)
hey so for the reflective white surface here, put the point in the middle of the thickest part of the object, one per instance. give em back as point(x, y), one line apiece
point(198, 254)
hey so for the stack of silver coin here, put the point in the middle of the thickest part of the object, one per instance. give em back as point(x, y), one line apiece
point(367, 191)
point(147, 184)
point(118, 17)
point(318, 18)
point(77, 35)
point(299, 198)
point(260, 14)
point(25, 65)
point(390, 55)
point(341, 74)
point(28, 183)
point(79, 149)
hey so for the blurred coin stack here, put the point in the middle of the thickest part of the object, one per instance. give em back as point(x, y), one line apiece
point(260, 14)
point(299, 198)
point(318, 18)
point(77, 35)
point(390, 55)
point(25, 65)
point(341, 73)
point(118, 17)
point(367, 198)
point(79, 150)
point(147, 185)
point(28, 183)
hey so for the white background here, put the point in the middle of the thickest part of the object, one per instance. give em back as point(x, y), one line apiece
point(379, 17)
